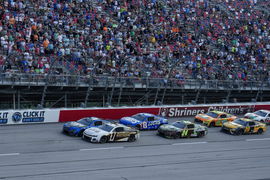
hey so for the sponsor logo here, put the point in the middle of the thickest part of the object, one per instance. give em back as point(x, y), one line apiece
point(33, 116)
point(17, 117)
point(230, 110)
point(153, 123)
point(28, 116)
point(164, 111)
point(179, 112)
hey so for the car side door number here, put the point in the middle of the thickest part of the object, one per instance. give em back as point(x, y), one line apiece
point(113, 135)
point(144, 124)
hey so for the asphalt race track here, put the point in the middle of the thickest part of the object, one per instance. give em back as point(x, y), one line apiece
point(41, 151)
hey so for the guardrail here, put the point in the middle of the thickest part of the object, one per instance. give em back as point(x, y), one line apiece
point(133, 82)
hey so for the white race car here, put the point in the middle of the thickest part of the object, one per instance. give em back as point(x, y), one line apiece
point(260, 115)
point(111, 132)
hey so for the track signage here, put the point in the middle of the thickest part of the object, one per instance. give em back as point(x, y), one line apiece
point(194, 110)
point(28, 116)
point(3, 117)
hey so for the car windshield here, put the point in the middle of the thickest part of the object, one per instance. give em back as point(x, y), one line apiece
point(85, 121)
point(139, 117)
point(106, 127)
point(260, 113)
point(179, 125)
point(212, 114)
point(241, 122)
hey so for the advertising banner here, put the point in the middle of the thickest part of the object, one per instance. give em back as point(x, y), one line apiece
point(184, 111)
point(64, 115)
point(112, 113)
point(28, 116)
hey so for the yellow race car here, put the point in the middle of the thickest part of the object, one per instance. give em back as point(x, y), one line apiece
point(214, 118)
point(243, 126)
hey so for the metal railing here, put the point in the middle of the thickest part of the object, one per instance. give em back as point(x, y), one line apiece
point(15, 79)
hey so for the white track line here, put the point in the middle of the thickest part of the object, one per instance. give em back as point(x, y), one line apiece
point(176, 144)
point(10, 154)
point(262, 139)
point(96, 149)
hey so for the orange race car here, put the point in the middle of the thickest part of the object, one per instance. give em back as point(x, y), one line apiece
point(214, 118)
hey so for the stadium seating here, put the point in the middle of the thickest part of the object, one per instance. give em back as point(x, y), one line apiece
point(187, 39)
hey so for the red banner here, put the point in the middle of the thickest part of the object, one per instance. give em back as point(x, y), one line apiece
point(114, 114)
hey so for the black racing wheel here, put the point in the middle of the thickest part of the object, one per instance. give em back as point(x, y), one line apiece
point(260, 131)
point(212, 124)
point(239, 132)
point(103, 139)
point(131, 138)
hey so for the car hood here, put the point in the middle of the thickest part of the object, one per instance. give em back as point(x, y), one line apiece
point(232, 125)
point(94, 131)
point(75, 124)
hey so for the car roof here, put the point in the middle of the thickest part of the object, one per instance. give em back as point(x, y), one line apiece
point(267, 111)
point(92, 118)
point(147, 114)
point(246, 119)
point(115, 124)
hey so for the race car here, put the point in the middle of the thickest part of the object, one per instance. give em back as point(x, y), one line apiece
point(180, 129)
point(214, 118)
point(143, 121)
point(243, 126)
point(260, 115)
point(111, 132)
point(76, 128)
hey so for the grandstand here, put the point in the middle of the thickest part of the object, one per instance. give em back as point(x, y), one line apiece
point(84, 53)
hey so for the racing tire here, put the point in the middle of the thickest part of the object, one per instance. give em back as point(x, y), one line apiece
point(177, 135)
point(64, 132)
point(196, 120)
point(71, 134)
point(103, 139)
point(239, 132)
point(80, 133)
point(221, 129)
point(131, 138)
point(138, 127)
point(260, 131)
point(159, 133)
point(200, 134)
point(212, 124)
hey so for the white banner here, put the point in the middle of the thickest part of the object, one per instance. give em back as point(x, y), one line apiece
point(28, 116)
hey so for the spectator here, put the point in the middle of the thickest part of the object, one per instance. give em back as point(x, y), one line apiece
point(205, 40)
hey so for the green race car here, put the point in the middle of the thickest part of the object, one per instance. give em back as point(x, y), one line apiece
point(181, 129)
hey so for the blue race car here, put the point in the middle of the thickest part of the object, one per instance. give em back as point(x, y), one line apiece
point(76, 128)
point(144, 121)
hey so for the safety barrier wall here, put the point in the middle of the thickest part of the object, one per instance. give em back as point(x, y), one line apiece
point(167, 111)
point(63, 115)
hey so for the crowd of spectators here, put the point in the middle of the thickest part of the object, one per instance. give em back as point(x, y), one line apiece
point(184, 39)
